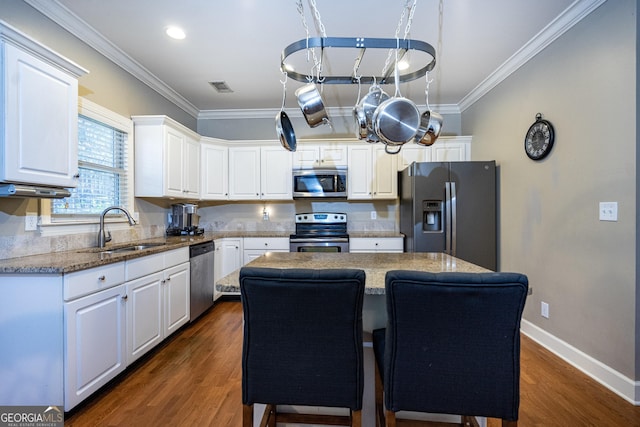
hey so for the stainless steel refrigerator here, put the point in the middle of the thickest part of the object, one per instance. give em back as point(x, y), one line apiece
point(450, 207)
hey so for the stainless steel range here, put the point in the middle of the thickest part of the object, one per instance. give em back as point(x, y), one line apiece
point(320, 232)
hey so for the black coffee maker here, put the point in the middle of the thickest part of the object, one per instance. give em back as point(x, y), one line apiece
point(183, 220)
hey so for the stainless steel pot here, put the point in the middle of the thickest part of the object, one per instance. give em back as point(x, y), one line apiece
point(430, 126)
point(311, 105)
point(396, 120)
point(363, 113)
point(285, 132)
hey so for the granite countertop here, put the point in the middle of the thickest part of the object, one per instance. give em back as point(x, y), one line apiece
point(375, 265)
point(81, 259)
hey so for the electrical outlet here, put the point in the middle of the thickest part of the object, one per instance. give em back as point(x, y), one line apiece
point(31, 221)
point(374, 215)
point(608, 211)
point(544, 309)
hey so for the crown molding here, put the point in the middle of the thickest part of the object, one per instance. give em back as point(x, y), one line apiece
point(577, 11)
point(71, 22)
point(76, 26)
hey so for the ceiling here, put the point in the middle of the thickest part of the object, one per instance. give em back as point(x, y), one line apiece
point(241, 41)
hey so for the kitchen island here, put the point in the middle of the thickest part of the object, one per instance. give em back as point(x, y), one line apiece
point(375, 266)
point(374, 313)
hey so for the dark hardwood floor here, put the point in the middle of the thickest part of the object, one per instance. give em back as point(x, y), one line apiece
point(194, 380)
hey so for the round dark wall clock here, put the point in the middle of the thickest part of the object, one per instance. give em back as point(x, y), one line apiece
point(539, 139)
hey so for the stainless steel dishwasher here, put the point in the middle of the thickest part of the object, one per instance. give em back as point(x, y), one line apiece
point(201, 261)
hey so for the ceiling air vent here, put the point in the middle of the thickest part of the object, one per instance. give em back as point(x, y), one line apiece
point(221, 87)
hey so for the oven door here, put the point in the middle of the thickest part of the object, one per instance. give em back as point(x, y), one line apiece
point(319, 245)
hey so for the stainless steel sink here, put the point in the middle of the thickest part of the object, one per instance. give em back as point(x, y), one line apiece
point(132, 248)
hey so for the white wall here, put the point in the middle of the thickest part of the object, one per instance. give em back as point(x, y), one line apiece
point(585, 84)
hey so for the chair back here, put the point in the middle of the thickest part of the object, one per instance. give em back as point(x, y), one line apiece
point(302, 336)
point(453, 342)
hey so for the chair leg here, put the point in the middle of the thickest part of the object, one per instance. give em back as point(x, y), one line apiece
point(509, 423)
point(269, 416)
point(469, 421)
point(247, 415)
point(356, 418)
point(379, 394)
point(390, 418)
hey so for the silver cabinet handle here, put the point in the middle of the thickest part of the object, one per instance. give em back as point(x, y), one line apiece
point(125, 297)
point(102, 278)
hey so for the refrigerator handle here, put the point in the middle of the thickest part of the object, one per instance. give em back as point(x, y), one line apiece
point(454, 218)
point(447, 218)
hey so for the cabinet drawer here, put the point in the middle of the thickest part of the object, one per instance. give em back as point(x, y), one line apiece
point(368, 244)
point(176, 257)
point(85, 282)
point(267, 243)
point(143, 266)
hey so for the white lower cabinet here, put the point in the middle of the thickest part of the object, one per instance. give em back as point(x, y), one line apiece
point(116, 313)
point(227, 259)
point(376, 244)
point(94, 342)
point(176, 298)
point(144, 315)
point(255, 247)
point(158, 302)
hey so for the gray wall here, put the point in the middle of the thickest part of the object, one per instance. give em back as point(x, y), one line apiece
point(585, 84)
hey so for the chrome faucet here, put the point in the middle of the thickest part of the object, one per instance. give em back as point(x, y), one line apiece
point(104, 238)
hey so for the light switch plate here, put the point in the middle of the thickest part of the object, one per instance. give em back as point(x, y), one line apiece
point(608, 211)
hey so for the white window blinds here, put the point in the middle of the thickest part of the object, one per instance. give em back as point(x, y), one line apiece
point(102, 163)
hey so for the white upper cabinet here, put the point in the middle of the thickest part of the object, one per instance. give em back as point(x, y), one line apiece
point(276, 176)
point(454, 149)
point(38, 112)
point(372, 173)
point(167, 158)
point(320, 155)
point(445, 149)
point(214, 170)
point(244, 173)
point(260, 172)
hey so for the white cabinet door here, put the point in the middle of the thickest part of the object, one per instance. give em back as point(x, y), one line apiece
point(214, 170)
point(385, 174)
point(244, 173)
point(333, 155)
point(144, 315)
point(454, 149)
point(413, 153)
point(328, 155)
point(174, 143)
point(372, 173)
point(95, 342)
point(167, 158)
point(276, 179)
point(359, 178)
point(40, 131)
point(228, 258)
point(176, 297)
point(191, 168)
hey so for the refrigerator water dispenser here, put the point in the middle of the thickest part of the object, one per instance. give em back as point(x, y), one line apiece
point(432, 215)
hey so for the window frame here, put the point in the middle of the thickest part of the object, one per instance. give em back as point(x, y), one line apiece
point(51, 225)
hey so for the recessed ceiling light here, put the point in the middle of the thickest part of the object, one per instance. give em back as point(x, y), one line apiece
point(175, 33)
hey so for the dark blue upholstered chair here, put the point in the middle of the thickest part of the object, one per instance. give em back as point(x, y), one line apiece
point(451, 345)
point(302, 343)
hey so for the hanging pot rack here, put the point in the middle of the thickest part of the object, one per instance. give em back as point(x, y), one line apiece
point(361, 44)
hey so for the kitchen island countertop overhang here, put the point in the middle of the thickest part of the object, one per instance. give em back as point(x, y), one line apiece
point(375, 265)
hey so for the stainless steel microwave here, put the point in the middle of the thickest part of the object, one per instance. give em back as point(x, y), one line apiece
point(319, 183)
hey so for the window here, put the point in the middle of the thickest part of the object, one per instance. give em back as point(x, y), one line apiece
point(104, 148)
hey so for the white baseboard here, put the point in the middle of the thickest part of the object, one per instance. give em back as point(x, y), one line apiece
point(624, 387)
